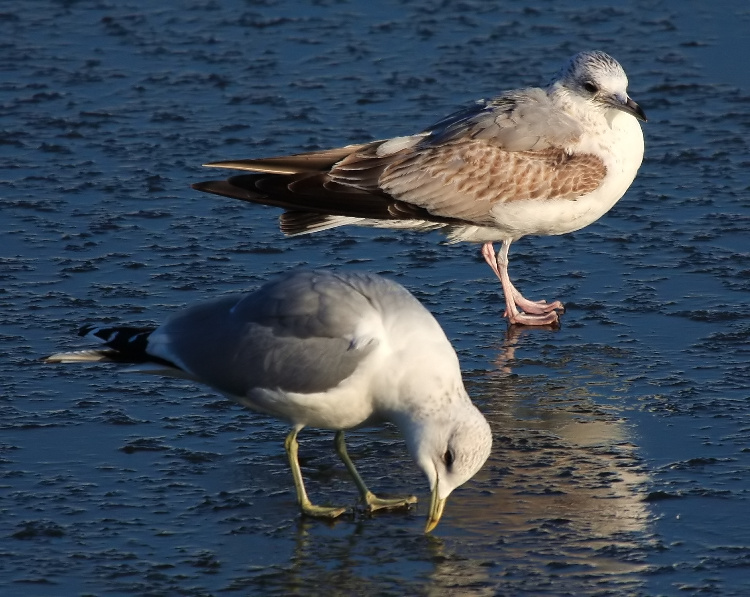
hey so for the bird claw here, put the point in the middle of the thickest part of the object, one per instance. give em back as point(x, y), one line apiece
point(540, 307)
point(532, 312)
point(373, 502)
point(326, 512)
point(519, 318)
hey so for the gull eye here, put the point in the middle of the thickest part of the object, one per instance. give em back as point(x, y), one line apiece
point(448, 458)
point(590, 87)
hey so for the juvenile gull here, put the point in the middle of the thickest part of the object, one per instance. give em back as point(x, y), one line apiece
point(330, 350)
point(530, 161)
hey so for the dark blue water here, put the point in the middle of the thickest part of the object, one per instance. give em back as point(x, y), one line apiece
point(621, 462)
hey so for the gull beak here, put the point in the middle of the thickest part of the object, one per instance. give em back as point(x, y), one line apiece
point(630, 107)
point(437, 506)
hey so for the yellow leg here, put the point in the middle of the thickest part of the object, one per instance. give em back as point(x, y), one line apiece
point(307, 507)
point(370, 499)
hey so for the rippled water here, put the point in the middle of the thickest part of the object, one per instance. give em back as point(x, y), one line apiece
point(622, 449)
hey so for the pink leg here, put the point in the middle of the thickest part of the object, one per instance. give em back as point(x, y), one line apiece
point(532, 312)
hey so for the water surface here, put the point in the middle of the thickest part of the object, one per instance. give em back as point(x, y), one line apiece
point(621, 452)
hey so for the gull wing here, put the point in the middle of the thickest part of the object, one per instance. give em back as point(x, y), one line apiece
point(515, 146)
point(297, 335)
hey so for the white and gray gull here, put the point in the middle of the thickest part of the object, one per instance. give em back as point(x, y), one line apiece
point(329, 350)
point(530, 161)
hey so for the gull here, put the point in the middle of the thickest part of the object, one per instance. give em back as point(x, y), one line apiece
point(531, 161)
point(329, 350)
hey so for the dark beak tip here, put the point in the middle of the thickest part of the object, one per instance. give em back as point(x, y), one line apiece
point(635, 110)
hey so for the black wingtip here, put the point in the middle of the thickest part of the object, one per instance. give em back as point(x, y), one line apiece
point(204, 186)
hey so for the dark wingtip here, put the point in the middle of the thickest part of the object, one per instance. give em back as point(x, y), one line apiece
point(221, 187)
point(204, 186)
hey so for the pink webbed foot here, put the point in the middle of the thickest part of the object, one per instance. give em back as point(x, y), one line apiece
point(519, 310)
point(536, 307)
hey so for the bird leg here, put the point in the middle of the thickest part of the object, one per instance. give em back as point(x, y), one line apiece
point(370, 499)
point(291, 445)
point(531, 312)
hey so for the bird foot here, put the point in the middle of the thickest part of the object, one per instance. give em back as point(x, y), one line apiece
point(539, 307)
point(329, 512)
point(373, 502)
point(532, 312)
point(520, 318)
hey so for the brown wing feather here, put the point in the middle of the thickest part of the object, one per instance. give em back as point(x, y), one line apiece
point(458, 182)
point(466, 179)
point(315, 193)
point(313, 161)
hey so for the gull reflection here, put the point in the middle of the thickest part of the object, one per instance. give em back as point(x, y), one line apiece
point(563, 488)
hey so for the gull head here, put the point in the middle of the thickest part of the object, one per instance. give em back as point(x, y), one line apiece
point(600, 81)
point(450, 449)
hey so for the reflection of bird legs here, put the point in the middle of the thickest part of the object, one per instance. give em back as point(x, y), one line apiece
point(532, 312)
point(373, 502)
point(508, 350)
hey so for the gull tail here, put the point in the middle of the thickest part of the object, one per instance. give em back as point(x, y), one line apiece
point(273, 181)
point(122, 345)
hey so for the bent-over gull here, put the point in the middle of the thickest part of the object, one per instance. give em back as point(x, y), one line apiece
point(530, 161)
point(323, 349)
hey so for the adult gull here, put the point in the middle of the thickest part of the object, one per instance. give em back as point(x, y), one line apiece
point(329, 350)
point(530, 161)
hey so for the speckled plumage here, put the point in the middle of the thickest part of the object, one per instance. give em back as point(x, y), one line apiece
point(531, 161)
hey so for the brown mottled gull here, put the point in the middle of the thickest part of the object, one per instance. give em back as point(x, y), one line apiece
point(530, 161)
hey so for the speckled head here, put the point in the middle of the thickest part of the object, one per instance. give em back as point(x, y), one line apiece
point(596, 76)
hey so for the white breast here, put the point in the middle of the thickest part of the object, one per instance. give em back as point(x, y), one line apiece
point(619, 143)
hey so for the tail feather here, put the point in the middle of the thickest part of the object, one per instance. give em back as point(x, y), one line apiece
point(293, 223)
point(313, 161)
point(118, 337)
point(81, 356)
point(122, 345)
